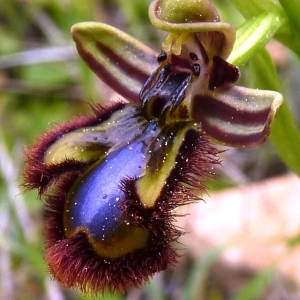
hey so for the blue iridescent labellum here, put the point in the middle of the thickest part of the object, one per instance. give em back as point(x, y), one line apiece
point(93, 203)
point(111, 181)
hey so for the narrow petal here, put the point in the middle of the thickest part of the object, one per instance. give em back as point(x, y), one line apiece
point(236, 116)
point(118, 59)
point(74, 145)
point(90, 143)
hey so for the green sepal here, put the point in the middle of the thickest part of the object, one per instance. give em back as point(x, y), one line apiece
point(163, 158)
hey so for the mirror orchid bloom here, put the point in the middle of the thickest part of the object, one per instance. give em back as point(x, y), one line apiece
point(112, 180)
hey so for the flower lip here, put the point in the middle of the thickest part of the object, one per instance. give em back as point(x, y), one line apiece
point(93, 203)
point(76, 260)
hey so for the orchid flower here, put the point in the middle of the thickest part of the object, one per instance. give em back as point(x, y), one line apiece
point(111, 181)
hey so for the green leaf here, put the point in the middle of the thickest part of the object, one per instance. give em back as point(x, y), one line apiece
point(253, 8)
point(292, 9)
point(287, 36)
point(285, 33)
point(289, 33)
point(285, 135)
point(252, 36)
point(257, 285)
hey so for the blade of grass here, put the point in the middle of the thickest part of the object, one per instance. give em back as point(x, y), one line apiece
point(285, 33)
point(289, 34)
point(285, 135)
point(106, 296)
point(253, 8)
point(257, 285)
point(195, 284)
point(252, 36)
point(292, 9)
point(154, 290)
point(28, 252)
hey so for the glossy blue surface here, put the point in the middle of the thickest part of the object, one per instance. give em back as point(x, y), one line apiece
point(92, 203)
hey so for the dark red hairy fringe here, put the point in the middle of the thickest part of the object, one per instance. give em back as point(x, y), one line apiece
point(184, 185)
point(194, 166)
point(38, 175)
point(74, 263)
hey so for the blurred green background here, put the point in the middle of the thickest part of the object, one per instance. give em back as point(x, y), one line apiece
point(43, 81)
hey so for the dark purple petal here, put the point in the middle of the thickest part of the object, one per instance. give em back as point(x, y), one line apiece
point(118, 59)
point(222, 73)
